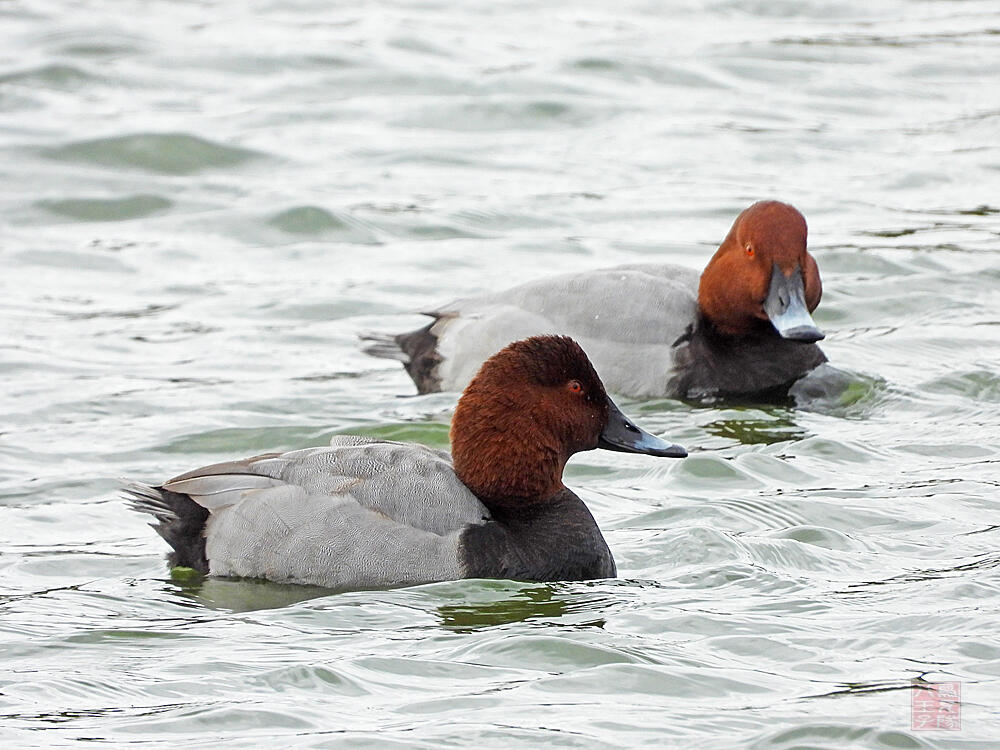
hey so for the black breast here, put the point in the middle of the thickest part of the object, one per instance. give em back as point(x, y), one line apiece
point(557, 540)
point(709, 364)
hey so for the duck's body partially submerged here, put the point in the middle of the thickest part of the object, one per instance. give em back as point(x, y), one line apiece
point(365, 514)
point(741, 327)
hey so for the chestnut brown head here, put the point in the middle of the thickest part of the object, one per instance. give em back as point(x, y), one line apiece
point(763, 273)
point(532, 406)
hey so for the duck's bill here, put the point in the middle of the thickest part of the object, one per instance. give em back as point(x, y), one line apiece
point(786, 308)
point(621, 434)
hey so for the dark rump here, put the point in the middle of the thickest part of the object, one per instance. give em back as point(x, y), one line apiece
point(179, 520)
point(417, 350)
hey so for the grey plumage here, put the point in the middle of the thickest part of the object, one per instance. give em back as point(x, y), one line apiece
point(627, 319)
point(359, 514)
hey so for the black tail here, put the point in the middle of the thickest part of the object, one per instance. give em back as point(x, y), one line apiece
point(384, 346)
point(179, 520)
point(417, 350)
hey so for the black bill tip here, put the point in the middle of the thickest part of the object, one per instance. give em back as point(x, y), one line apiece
point(806, 334)
point(787, 310)
point(621, 434)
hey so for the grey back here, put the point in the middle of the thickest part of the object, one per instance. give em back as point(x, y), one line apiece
point(626, 318)
point(359, 514)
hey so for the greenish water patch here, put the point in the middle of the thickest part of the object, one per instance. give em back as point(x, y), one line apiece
point(836, 736)
point(416, 228)
point(493, 603)
point(982, 385)
point(981, 210)
point(306, 220)
point(244, 594)
point(777, 427)
point(831, 390)
point(432, 434)
point(835, 451)
point(102, 43)
point(108, 635)
point(108, 209)
point(55, 76)
point(163, 153)
point(186, 576)
point(818, 536)
point(247, 441)
point(316, 221)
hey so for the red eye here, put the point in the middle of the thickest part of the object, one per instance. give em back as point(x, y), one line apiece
point(749, 250)
point(574, 386)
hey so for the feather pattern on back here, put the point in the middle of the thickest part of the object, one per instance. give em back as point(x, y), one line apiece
point(360, 514)
point(634, 316)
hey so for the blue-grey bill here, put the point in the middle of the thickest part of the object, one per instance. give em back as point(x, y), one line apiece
point(621, 434)
point(786, 308)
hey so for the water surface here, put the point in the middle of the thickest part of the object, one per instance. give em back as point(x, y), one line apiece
point(205, 203)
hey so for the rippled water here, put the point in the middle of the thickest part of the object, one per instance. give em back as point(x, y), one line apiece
point(203, 205)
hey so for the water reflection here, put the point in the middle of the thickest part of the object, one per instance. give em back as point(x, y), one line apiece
point(472, 604)
point(765, 428)
point(493, 603)
point(240, 594)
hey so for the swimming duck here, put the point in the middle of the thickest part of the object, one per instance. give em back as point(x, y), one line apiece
point(370, 514)
point(742, 327)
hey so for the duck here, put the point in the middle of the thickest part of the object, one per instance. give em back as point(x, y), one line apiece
point(364, 513)
point(743, 327)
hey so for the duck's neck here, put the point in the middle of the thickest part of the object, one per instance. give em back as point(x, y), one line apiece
point(754, 332)
point(510, 478)
point(504, 463)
